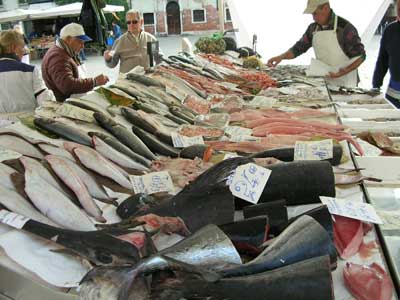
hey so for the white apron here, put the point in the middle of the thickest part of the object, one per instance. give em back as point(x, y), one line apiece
point(81, 75)
point(327, 49)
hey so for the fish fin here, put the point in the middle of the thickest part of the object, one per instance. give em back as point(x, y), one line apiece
point(66, 251)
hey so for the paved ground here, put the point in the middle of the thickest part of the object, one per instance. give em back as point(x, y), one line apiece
point(172, 44)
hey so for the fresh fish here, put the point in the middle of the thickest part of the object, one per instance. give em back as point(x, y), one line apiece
point(54, 204)
point(95, 189)
point(63, 130)
point(115, 156)
point(154, 143)
point(54, 150)
point(348, 236)
point(19, 145)
point(180, 113)
point(201, 151)
point(131, 91)
point(5, 176)
point(148, 81)
point(96, 162)
point(89, 105)
point(17, 204)
point(71, 178)
point(117, 145)
point(134, 204)
point(303, 239)
point(306, 280)
point(341, 179)
point(124, 135)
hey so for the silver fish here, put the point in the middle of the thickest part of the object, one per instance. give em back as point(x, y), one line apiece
point(54, 150)
point(19, 145)
point(76, 184)
point(54, 204)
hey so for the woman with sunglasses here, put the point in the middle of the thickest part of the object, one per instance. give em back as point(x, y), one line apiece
point(130, 50)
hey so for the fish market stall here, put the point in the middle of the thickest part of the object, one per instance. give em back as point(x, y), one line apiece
point(223, 176)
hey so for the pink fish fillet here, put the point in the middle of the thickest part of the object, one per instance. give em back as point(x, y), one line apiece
point(348, 235)
point(264, 121)
point(368, 282)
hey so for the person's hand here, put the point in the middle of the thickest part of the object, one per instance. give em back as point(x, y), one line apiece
point(107, 55)
point(338, 74)
point(101, 79)
point(273, 62)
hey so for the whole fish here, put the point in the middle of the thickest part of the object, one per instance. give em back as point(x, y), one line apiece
point(154, 143)
point(63, 130)
point(115, 156)
point(89, 105)
point(19, 145)
point(5, 176)
point(16, 203)
point(54, 150)
point(76, 184)
point(148, 81)
point(95, 189)
point(124, 136)
point(92, 160)
point(54, 204)
point(117, 145)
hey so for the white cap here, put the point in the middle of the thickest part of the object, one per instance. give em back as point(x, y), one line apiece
point(74, 30)
point(312, 5)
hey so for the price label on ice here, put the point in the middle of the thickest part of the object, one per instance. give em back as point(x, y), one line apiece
point(180, 141)
point(152, 183)
point(318, 150)
point(6, 154)
point(351, 209)
point(248, 182)
point(237, 130)
point(12, 219)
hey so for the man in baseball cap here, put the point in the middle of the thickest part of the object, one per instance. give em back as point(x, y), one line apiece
point(335, 41)
point(62, 70)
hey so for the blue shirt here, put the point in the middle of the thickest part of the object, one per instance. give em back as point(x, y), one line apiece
point(117, 31)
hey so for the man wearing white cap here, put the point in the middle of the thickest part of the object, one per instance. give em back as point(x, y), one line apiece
point(335, 41)
point(61, 68)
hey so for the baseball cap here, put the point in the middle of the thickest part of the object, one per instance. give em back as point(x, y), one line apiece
point(312, 5)
point(74, 30)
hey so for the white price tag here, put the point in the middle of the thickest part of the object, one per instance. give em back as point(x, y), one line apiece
point(180, 141)
point(12, 219)
point(351, 209)
point(244, 138)
point(248, 182)
point(237, 130)
point(262, 101)
point(74, 112)
point(6, 154)
point(391, 219)
point(318, 150)
point(152, 183)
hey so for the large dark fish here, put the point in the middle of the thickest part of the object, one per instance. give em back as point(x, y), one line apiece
point(117, 145)
point(134, 204)
point(276, 212)
point(125, 136)
point(154, 143)
point(287, 154)
point(248, 235)
point(63, 131)
point(148, 81)
point(303, 239)
point(98, 247)
point(200, 151)
point(306, 280)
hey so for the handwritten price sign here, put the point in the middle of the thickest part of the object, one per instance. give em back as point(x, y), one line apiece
point(152, 183)
point(181, 141)
point(351, 209)
point(319, 150)
point(248, 182)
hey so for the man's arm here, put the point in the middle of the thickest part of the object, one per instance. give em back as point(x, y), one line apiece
point(382, 64)
point(348, 69)
point(112, 60)
point(299, 48)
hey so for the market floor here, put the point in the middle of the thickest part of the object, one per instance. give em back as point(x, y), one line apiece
point(172, 44)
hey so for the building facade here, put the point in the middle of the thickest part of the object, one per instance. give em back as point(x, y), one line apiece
point(168, 17)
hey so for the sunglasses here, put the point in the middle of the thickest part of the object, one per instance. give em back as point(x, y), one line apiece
point(132, 22)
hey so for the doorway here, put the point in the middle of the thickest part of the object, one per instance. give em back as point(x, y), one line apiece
point(173, 18)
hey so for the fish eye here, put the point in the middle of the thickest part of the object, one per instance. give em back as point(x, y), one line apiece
point(104, 257)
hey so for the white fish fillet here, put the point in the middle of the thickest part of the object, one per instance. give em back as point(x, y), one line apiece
point(5, 176)
point(55, 205)
point(19, 145)
point(18, 204)
point(54, 150)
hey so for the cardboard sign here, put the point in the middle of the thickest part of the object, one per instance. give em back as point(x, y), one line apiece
point(12, 219)
point(180, 141)
point(152, 183)
point(319, 150)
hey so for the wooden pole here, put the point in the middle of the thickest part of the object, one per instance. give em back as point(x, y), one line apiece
point(221, 13)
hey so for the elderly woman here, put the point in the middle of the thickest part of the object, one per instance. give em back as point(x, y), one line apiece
point(131, 48)
point(21, 85)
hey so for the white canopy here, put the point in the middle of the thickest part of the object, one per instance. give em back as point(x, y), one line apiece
point(68, 10)
point(279, 24)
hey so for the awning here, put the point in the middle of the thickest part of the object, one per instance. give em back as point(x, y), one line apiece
point(14, 15)
point(69, 10)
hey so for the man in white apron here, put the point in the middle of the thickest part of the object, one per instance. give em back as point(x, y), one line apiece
point(336, 44)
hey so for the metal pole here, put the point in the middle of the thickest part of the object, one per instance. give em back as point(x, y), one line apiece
point(221, 13)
